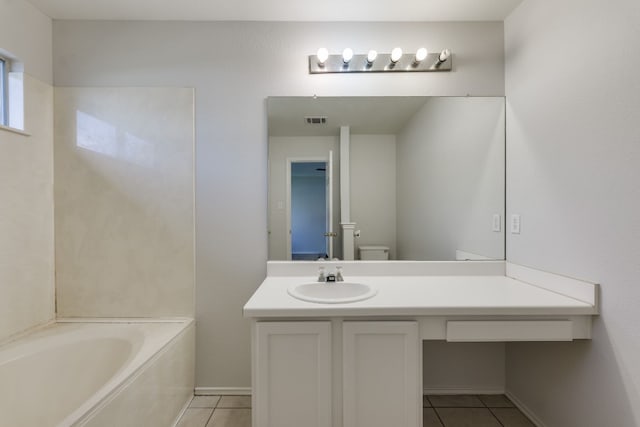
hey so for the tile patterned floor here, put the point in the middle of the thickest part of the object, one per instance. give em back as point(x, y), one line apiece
point(217, 411)
point(472, 411)
point(438, 411)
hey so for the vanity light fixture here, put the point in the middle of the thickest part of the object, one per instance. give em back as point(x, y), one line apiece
point(347, 55)
point(421, 54)
point(322, 55)
point(444, 55)
point(371, 56)
point(373, 62)
point(396, 54)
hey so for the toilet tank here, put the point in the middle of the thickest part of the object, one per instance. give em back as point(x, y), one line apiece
point(374, 253)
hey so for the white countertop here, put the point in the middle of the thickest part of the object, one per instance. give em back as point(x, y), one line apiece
point(470, 295)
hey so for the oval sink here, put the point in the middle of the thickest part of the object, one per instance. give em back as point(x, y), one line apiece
point(332, 293)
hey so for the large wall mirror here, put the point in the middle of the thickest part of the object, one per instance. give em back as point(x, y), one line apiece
point(398, 178)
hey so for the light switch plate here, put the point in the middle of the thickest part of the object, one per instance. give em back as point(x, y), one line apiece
point(497, 223)
point(515, 224)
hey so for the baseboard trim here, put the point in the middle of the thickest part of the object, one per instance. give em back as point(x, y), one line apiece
point(218, 391)
point(463, 390)
point(525, 410)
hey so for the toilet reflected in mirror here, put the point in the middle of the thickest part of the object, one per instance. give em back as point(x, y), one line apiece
point(373, 253)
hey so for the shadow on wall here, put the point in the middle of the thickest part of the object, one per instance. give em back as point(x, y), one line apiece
point(570, 368)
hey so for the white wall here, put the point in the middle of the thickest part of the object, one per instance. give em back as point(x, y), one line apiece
point(26, 178)
point(373, 190)
point(573, 135)
point(474, 368)
point(26, 218)
point(451, 179)
point(231, 137)
point(124, 202)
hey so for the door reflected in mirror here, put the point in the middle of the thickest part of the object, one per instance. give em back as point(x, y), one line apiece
point(310, 219)
point(399, 178)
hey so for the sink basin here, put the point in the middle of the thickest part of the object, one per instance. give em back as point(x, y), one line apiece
point(332, 293)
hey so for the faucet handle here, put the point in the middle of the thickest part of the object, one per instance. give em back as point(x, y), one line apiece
point(339, 277)
point(321, 276)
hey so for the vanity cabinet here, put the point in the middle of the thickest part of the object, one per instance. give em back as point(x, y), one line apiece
point(381, 374)
point(377, 373)
point(292, 374)
point(359, 364)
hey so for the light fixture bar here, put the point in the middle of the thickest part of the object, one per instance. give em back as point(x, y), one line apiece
point(381, 64)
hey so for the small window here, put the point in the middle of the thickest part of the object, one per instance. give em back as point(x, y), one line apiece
point(11, 91)
point(4, 91)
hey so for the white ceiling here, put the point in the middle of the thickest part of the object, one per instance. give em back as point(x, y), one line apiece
point(279, 10)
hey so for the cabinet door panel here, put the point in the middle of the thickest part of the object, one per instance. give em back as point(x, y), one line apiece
point(293, 377)
point(381, 374)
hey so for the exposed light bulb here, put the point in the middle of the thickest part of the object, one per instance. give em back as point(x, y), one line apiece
point(347, 54)
point(396, 54)
point(444, 55)
point(421, 54)
point(371, 56)
point(322, 55)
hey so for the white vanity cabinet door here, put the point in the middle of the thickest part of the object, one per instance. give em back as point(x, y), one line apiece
point(293, 374)
point(381, 374)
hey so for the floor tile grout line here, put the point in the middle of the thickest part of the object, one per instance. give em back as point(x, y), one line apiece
point(435, 409)
point(459, 407)
point(216, 407)
point(214, 410)
point(209, 419)
point(439, 418)
point(496, 417)
point(482, 401)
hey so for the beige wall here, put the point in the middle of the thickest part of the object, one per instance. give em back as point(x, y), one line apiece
point(26, 177)
point(124, 202)
point(26, 221)
point(573, 146)
point(231, 135)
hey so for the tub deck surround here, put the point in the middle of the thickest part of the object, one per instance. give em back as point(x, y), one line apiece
point(94, 368)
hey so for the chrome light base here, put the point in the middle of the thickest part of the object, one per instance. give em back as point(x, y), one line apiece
point(382, 64)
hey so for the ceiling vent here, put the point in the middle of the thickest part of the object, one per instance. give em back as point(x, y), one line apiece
point(316, 120)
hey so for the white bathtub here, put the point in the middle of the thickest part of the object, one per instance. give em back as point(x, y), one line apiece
point(105, 373)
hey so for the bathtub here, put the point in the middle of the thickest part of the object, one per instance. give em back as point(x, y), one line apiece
point(98, 373)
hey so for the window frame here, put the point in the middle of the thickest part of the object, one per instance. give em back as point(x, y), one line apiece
point(4, 90)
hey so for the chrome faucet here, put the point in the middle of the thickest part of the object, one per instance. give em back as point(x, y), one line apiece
point(331, 277)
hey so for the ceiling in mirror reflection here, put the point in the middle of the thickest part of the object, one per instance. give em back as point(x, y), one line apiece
point(424, 177)
point(385, 115)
